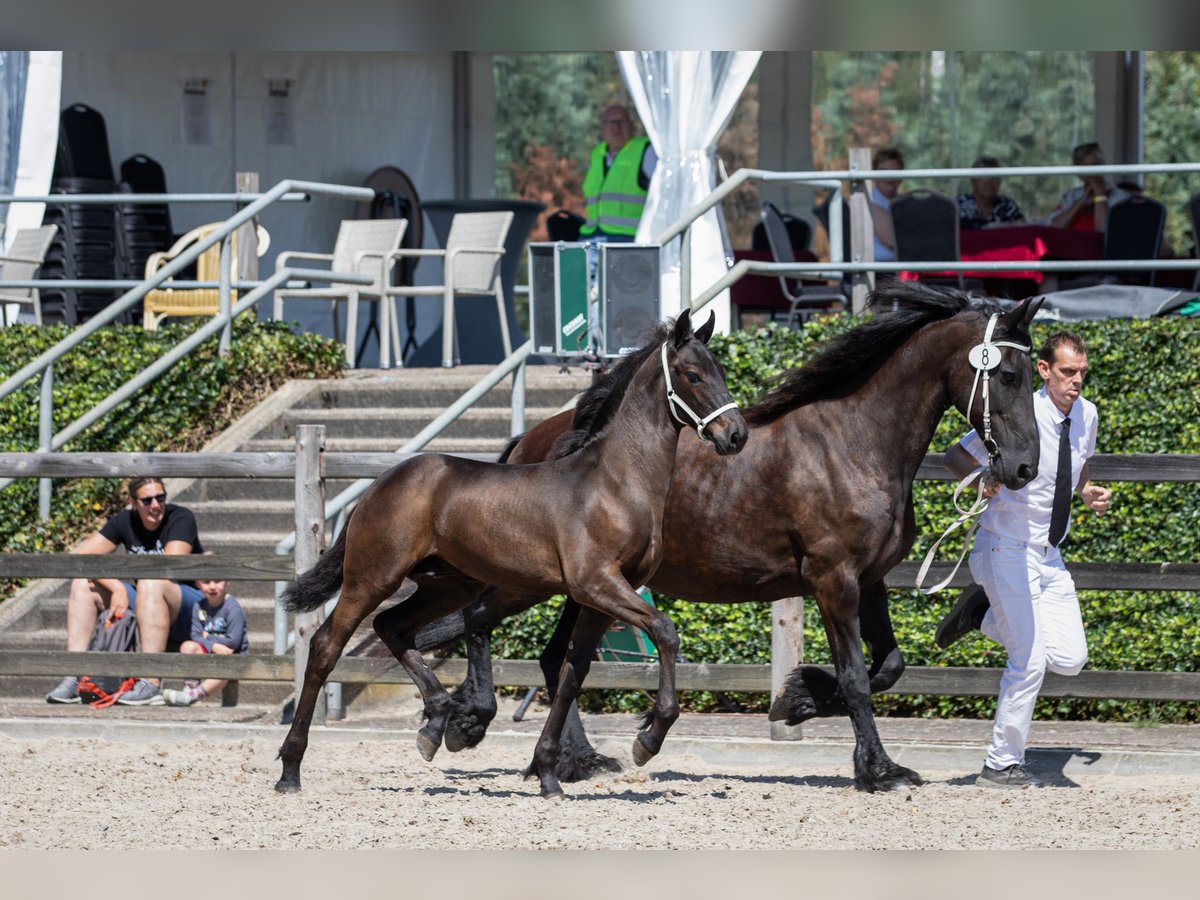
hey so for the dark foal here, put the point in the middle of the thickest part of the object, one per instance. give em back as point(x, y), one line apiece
point(588, 523)
point(820, 504)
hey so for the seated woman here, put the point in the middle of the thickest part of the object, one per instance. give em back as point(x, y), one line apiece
point(984, 205)
point(1085, 208)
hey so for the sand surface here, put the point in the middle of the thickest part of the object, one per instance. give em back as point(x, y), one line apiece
point(203, 792)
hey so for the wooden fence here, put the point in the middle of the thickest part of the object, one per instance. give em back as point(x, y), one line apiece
point(691, 676)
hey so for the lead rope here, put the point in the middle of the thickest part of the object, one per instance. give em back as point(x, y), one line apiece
point(984, 357)
point(674, 400)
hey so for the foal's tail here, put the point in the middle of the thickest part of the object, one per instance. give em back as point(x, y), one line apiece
point(320, 582)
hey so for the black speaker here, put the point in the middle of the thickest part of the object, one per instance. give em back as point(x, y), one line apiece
point(629, 295)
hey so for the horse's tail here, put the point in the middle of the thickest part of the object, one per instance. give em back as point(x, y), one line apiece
point(320, 582)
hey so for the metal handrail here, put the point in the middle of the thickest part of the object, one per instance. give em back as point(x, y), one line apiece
point(222, 322)
point(132, 296)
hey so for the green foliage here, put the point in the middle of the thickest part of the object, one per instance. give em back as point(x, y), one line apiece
point(1172, 134)
point(184, 408)
point(1144, 377)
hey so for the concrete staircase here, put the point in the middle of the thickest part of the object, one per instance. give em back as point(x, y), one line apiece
point(368, 410)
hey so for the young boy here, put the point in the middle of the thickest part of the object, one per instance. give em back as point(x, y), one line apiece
point(218, 626)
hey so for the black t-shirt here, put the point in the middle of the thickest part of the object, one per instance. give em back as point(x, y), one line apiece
point(126, 529)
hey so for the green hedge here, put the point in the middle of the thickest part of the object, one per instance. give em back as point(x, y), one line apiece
point(1143, 377)
point(186, 407)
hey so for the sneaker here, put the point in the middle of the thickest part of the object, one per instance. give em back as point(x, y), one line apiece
point(143, 693)
point(186, 697)
point(966, 615)
point(66, 692)
point(1014, 776)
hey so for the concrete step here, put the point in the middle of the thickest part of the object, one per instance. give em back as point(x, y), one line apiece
point(255, 489)
point(400, 423)
point(386, 445)
point(415, 387)
point(257, 514)
point(54, 638)
point(51, 613)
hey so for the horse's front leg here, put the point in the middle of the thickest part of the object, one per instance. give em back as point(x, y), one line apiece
point(398, 629)
point(874, 770)
point(887, 662)
point(324, 650)
point(589, 626)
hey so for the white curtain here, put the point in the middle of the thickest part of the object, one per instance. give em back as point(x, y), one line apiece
point(36, 140)
point(685, 99)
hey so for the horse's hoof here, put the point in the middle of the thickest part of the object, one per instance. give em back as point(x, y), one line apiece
point(554, 794)
point(426, 747)
point(283, 786)
point(641, 753)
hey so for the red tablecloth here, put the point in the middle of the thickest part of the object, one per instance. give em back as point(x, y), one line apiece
point(762, 291)
point(1023, 243)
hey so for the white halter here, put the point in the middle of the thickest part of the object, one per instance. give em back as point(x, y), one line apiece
point(673, 400)
point(984, 357)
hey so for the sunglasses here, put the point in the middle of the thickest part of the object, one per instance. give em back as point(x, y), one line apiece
point(146, 501)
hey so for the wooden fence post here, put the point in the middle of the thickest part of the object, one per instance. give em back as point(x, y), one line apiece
point(310, 541)
point(787, 652)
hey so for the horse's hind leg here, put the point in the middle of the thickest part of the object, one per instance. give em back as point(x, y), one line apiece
point(887, 662)
point(324, 651)
point(585, 636)
point(398, 629)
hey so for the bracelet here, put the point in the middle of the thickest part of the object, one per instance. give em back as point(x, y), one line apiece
point(1099, 198)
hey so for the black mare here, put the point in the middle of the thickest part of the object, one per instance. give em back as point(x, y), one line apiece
point(819, 504)
point(588, 523)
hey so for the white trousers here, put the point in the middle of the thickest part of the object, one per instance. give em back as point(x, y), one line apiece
point(1034, 613)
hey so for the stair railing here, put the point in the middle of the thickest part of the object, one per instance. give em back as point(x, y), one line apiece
point(222, 322)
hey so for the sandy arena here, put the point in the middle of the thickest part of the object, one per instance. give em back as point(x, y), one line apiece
point(189, 790)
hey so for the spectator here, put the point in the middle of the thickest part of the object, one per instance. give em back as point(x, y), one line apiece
point(1085, 208)
point(218, 627)
point(617, 179)
point(883, 191)
point(984, 205)
point(163, 608)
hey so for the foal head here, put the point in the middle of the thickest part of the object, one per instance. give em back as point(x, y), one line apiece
point(697, 394)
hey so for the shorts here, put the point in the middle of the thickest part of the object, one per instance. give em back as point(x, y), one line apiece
point(181, 628)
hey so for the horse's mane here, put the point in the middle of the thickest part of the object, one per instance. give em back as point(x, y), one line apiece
point(596, 406)
point(851, 358)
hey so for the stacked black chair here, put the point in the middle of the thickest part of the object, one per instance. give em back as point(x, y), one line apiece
point(142, 228)
point(86, 244)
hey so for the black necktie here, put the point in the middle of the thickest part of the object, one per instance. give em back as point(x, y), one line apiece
point(1060, 511)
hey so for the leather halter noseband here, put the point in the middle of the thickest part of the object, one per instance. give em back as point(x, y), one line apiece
point(674, 400)
point(984, 357)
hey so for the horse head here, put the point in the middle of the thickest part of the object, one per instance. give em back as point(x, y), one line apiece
point(1000, 406)
point(697, 394)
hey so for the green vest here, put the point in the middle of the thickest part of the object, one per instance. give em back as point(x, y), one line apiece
point(614, 200)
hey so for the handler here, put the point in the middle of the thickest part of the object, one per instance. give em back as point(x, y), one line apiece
point(1033, 609)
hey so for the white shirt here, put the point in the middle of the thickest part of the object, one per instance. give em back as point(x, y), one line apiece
point(1024, 515)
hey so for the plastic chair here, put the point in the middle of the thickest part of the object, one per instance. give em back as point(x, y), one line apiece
point(363, 246)
point(926, 227)
point(803, 302)
point(1134, 230)
point(800, 233)
point(167, 301)
point(471, 266)
point(21, 262)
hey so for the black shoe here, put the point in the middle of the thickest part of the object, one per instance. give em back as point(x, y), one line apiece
point(967, 615)
point(1014, 776)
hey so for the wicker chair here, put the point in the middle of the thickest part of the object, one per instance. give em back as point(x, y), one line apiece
point(20, 263)
point(168, 301)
